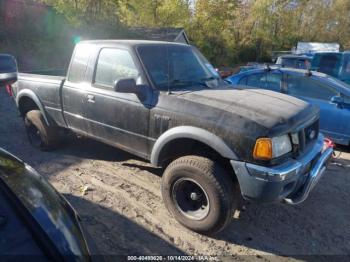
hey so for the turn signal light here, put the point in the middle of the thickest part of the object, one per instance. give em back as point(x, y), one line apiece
point(263, 149)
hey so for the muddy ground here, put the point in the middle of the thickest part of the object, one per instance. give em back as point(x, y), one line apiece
point(124, 213)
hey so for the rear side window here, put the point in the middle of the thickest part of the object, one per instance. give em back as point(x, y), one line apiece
point(79, 63)
point(306, 87)
point(114, 64)
point(270, 81)
point(255, 80)
point(243, 81)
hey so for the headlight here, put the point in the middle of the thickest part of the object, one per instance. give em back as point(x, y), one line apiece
point(268, 148)
point(281, 145)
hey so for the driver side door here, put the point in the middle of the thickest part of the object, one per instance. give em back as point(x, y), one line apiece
point(119, 119)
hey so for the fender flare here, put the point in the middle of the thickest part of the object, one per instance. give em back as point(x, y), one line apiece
point(195, 133)
point(30, 94)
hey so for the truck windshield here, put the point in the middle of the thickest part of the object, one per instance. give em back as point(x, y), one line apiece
point(176, 66)
point(339, 83)
point(327, 63)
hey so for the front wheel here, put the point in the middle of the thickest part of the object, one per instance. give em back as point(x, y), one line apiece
point(199, 194)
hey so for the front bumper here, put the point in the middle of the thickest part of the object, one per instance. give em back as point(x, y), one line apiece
point(290, 182)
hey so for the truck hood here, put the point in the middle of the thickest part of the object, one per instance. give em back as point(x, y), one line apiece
point(266, 108)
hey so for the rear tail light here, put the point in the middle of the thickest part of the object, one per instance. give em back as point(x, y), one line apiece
point(9, 90)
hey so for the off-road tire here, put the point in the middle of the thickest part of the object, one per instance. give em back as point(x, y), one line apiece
point(49, 135)
point(217, 185)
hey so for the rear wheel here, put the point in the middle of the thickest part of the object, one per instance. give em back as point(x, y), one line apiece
point(199, 194)
point(40, 135)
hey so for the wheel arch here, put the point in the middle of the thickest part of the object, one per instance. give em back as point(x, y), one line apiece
point(27, 100)
point(178, 139)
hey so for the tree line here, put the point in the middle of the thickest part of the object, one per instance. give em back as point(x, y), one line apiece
point(228, 32)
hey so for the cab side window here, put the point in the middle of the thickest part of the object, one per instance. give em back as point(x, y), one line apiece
point(114, 64)
point(308, 87)
point(273, 82)
point(243, 81)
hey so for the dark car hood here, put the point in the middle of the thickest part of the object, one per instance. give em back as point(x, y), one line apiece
point(55, 217)
point(266, 108)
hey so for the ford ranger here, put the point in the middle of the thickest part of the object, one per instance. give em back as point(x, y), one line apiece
point(165, 102)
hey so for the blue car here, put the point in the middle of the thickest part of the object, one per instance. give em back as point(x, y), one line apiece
point(330, 94)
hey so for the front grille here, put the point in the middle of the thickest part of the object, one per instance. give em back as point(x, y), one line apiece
point(311, 133)
point(308, 135)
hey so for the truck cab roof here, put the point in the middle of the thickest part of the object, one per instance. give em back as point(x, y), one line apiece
point(129, 42)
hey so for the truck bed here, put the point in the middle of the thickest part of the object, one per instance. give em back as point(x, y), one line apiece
point(47, 89)
point(41, 78)
point(50, 72)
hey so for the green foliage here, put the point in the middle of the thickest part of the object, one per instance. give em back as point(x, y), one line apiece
point(151, 13)
point(249, 30)
point(227, 31)
point(79, 12)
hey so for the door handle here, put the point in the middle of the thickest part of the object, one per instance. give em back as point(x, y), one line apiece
point(90, 98)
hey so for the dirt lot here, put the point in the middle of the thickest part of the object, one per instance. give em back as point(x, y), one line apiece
point(124, 213)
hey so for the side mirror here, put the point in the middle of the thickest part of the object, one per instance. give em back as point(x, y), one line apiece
point(128, 85)
point(338, 100)
point(8, 70)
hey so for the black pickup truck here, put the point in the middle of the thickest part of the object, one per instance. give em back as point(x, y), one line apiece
point(165, 102)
